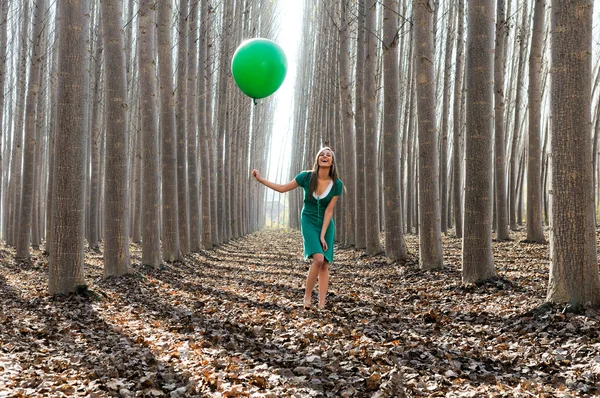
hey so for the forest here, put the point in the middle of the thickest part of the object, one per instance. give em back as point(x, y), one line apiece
point(140, 255)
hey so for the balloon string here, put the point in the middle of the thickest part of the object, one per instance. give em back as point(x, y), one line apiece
point(254, 99)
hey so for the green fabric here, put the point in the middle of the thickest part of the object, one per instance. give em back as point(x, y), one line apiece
point(311, 218)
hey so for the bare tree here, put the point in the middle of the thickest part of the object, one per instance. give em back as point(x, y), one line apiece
point(370, 135)
point(3, 35)
point(535, 231)
point(477, 257)
point(192, 131)
point(35, 67)
point(348, 161)
point(430, 239)
point(457, 130)
point(150, 140)
point(573, 263)
point(116, 198)
point(395, 246)
point(502, 232)
point(359, 123)
point(181, 126)
point(66, 252)
point(170, 212)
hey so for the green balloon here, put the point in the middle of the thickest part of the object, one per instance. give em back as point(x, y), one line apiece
point(259, 67)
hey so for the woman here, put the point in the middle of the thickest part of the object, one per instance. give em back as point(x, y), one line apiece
point(322, 187)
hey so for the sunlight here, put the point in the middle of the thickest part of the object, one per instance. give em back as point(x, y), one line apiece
point(288, 38)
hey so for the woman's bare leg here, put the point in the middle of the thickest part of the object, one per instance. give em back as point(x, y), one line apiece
point(323, 283)
point(311, 279)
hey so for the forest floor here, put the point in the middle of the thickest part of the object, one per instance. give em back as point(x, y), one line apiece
point(229, 323)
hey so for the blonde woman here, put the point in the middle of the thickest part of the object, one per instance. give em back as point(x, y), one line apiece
point(322, 187)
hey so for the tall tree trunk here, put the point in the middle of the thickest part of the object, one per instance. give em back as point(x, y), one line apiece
point(359, 122)
point(17, 156)
point(395, 246)
point(116, 199)
point(573, 263)
point(204, 136)
point(514, 153)
point(502, 232)
point(35, 67)
point(535, 231)
point(457, 120)
point(445, 121)
point(3, 35)
point(181, 126)
point(192, 131)
point(477, 257)
point(430, 239)
point(66, 252)
point(370, 136)
point(170, 211)
point(149, 129)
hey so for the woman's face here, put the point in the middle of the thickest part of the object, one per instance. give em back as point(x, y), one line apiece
point(325, 158)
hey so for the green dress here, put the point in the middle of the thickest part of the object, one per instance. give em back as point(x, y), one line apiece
point(312, 215)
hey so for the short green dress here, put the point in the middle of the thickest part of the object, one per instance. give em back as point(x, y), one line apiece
point(312, 215)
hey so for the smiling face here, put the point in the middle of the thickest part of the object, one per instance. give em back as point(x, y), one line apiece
point(325, 158)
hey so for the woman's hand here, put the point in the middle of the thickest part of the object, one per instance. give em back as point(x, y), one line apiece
point(323, 243)
point(256, 175)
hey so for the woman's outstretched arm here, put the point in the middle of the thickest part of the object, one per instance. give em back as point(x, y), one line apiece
point(276, 187)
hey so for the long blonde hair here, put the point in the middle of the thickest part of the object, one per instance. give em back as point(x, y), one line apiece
point(312, 187)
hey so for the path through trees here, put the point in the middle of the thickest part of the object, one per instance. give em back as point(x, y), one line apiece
point(229, 320)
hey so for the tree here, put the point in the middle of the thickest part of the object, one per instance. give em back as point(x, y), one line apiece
point(181, 127)
point(349, 161)
point(477, 257)
point(170, 212)
point(116, 198)
point(3, 35)
point(502, 232)
point(66, 252)
point(535, 231)
point(430, 239)
point(192, 131)
point(150, 140)
point(395, 246)
point(370, 135)
point(359, 123)
point(35, 67)
point(573, 263)
point(458, 126)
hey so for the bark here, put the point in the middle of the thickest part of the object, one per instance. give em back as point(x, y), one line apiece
point(66, 252)
point(359, 123)
point(204, 135)
point(395, 247)
point(28, 176)
point(370, 135)
point(502, 232)
point(573, 263)
point(348, 163)
point(170, 211)
point(477, 257)
point(535, 231)
point(514, 153)
point(3, 35)
point(446, 122)
point(149, 129)
point(457, 121)
point(192, 131)
point(181, 126)
point(116, 198)
point(430, 240)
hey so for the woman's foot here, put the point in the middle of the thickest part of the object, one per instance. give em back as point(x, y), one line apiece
point(307, 303)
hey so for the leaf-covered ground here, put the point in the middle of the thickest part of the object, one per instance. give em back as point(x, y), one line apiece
point(228, 323)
